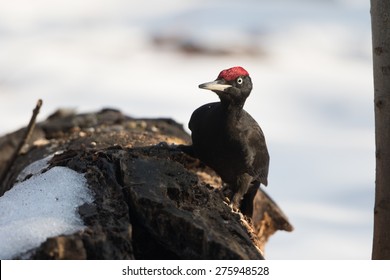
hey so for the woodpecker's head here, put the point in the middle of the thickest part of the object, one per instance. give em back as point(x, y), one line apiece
point(233, 85)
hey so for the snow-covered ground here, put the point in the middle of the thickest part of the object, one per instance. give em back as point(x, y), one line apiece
point(43, 206)
point(313, 90)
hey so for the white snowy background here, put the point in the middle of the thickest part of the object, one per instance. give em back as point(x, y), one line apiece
point(310, 62)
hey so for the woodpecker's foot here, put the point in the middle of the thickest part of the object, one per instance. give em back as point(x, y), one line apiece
point(235, 203)
point(226, 200)
point(230, 204)
point(234, 209)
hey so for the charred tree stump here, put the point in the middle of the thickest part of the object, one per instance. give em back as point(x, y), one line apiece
point(151, 200)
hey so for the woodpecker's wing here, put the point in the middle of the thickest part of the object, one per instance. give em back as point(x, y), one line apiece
point(257, 157)
point(201, 116)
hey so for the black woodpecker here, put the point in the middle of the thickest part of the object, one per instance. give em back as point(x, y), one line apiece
point(227, 139)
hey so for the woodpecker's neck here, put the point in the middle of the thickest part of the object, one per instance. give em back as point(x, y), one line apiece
point(233, 111)
point(232, 99)
point(233, 106)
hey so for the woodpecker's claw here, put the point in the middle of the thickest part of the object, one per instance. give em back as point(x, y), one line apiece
point(235, 209)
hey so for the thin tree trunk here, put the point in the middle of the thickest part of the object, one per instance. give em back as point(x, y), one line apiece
point(380, 20)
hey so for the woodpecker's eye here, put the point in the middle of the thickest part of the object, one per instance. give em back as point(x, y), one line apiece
point(240, 80)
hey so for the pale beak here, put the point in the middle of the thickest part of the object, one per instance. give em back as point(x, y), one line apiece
point(217, 85)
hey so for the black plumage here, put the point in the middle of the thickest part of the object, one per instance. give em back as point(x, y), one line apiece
point(229, 140)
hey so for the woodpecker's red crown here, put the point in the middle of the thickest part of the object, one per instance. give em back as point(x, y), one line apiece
point(232, 73)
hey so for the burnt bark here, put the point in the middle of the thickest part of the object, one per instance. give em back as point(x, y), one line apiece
point(152, 200)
